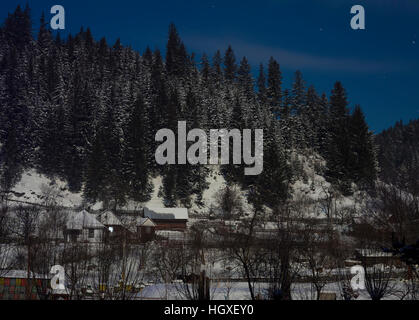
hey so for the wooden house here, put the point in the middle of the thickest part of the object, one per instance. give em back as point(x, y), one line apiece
point(146, 229)
point(371, 257)
point(84, 227)
point(115, 229)
point(175, 219)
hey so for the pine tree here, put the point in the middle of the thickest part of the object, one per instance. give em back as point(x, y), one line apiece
point(323, 123)
point(245, 79)
point(272, 186)
point(176, 57)
point(169, 186)
point(338, 154)
point(78, 132)
point(95, 186)
point(298, 94)
point(286, 121)
point(115, 187)
point(52, 144)
point(311, 118)
point(148, 57)
point(44, 40)
point(363, 164)
point(298, 110)
point(230, 67)
point(135, 169)
point(274, 89)
point(205, 69)
point(10, 161)
point(261, 82)
point(18, 28)
point(217, 72)
point(14, 102)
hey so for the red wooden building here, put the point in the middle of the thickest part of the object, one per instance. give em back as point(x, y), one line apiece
point(175, 219)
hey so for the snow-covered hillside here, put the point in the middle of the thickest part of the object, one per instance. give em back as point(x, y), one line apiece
point(37, 188)
point(313, 189)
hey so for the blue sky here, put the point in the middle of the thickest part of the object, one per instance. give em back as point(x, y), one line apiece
point(378, 66)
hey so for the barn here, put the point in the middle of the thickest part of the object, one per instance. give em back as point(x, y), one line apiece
point(174, 219)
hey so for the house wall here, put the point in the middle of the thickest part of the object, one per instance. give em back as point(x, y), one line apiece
point(170, 224)
point(83, 236)
point(98, 235)
point(146, 234)
point(118, 234)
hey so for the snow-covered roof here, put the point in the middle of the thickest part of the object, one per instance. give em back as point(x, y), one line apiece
point(373, 253)
point(108, 218)
point(21, 274)
point(83, 220)
point(145, 222)
point(166, 213)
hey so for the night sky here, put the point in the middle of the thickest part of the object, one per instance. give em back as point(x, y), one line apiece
point(378, 66)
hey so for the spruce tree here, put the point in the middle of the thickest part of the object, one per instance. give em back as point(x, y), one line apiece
point(245, 79)
point(273, 183)
point(135, 168)
point(10, 161)
point(205, 69)
point(261, 83)
point(299, 111)
point(274, 89)
point(339, 154)
point(95, 178)
point(363, 164)
point(176, 57)
point(217, 72)
point(230, 67)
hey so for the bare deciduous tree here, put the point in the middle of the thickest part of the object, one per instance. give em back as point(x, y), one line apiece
point(317, 252)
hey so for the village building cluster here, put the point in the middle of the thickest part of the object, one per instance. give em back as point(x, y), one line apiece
point(94, 228)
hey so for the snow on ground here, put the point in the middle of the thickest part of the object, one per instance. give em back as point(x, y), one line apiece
point(314, 189)
point(216, 183)
point(317, 190)
point(156, 201)
point(35, 188)
point(219, 291)
point(240, 291)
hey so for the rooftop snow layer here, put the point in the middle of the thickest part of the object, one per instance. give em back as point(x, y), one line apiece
point(166, 213)
point(108, 218)
point(21, 274)
point(145, 222)
point(83, 220)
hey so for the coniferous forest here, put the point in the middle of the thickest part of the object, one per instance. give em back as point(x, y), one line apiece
point(78, 121)
point(87, 111)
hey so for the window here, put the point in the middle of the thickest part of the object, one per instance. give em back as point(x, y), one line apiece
point(91, 233)
point(73, 237)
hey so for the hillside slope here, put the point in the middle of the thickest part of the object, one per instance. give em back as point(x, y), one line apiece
point(318, 194)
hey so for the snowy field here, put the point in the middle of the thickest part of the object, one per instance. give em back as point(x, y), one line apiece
point(240, 291)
